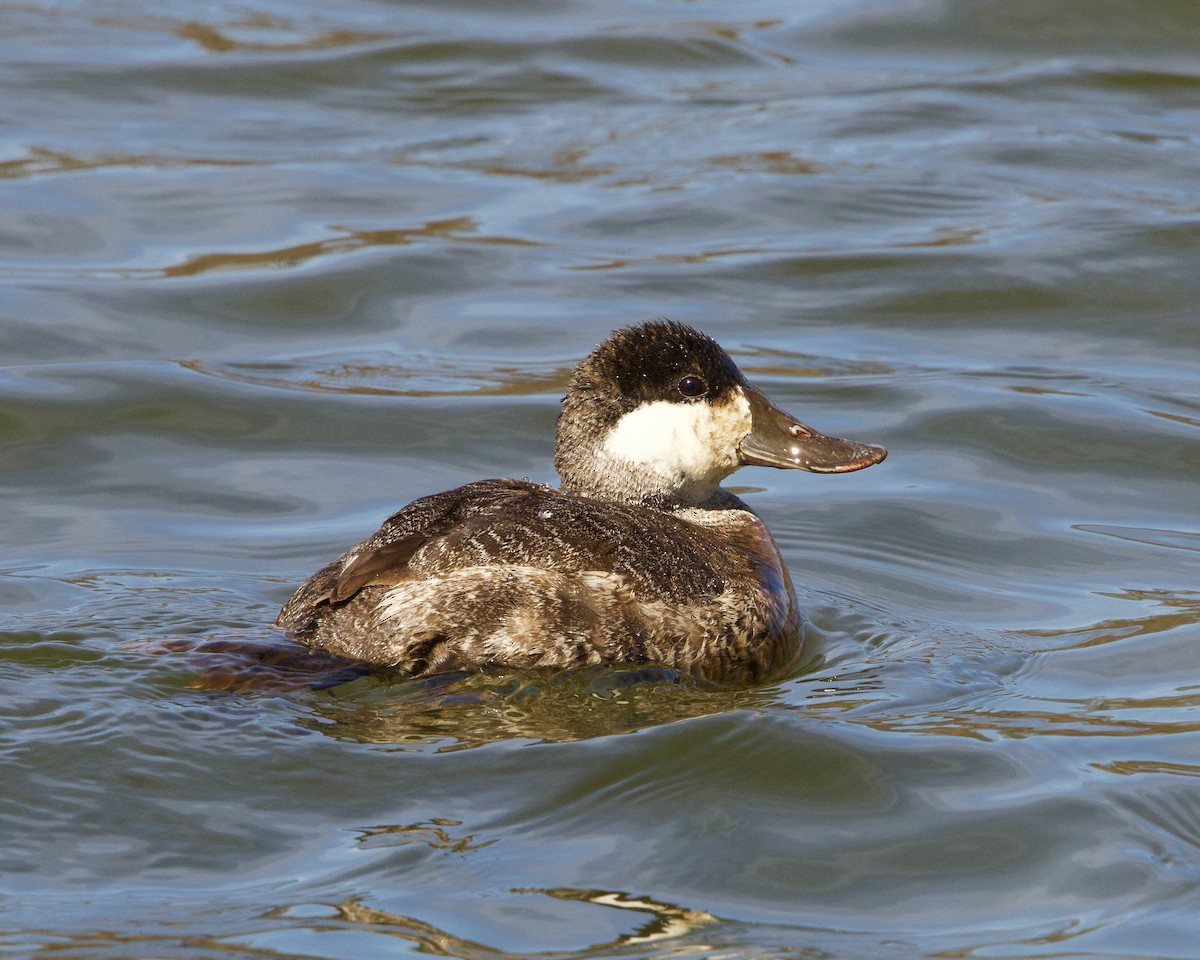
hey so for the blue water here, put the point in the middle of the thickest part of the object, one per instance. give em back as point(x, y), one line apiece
point(270, 271)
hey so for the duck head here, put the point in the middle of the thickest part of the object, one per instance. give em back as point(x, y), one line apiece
point(659, 413)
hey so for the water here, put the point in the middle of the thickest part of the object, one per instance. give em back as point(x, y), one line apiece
point(269, 271)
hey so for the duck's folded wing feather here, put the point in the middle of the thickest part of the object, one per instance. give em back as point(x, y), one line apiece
point(384, 557)
point(518, 523)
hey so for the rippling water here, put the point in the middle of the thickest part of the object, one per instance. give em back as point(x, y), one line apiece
point(269, 270)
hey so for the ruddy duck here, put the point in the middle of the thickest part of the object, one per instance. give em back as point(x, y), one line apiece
point(638, 557)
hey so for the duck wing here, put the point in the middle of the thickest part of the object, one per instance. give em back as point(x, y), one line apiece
point(519, 523)
point(384, 557)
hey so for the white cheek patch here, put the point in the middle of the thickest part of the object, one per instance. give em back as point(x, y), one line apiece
point(694, 441)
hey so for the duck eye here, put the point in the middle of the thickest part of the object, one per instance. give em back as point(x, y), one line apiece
point(693, 387)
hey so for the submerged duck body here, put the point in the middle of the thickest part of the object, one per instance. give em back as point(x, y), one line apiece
point(638, 557)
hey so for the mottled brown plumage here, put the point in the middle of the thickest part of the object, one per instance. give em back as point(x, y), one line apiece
point(640, 557)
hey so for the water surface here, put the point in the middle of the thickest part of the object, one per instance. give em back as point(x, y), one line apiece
point(269, 271)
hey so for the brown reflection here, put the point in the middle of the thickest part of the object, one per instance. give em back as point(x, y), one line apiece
point(667, 922)
point(217, 40)
point(221, 38)
point(457, 228)
point(1174, 417)
point(434, 834)
point(447, 714)
point(770, 161)
point(450, 712)
point(945, 237)
point(567, 166)
point(454, 711)
point(1016, 724)
point(1044, 391)
point(40, 161)
point(673, 259)
point(391, 379)
point(734, 34)
point(1183, 611)
point(1134, 767)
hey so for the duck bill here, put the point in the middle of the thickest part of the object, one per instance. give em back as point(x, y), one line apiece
point(779, 440)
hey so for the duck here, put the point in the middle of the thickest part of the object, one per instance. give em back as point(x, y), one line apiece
point(639, 557)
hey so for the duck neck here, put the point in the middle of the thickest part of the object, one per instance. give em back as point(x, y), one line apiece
point(599, 475)
point(588, 468)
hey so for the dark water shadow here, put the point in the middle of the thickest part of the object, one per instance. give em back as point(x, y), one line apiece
point(458, 711)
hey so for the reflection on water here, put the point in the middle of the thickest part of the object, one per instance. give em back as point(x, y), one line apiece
point(269, 273)
point(1183, 610)
point(223, 39)
point(434, 834)
point(39, 161)
point(667, 923)
point(472, 711)
point(459, 229)
point(410, 376)
point(342, 242)
point(453, 711)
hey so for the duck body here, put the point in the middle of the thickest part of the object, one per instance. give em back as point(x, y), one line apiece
point(639, 557)
point(462, 578)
